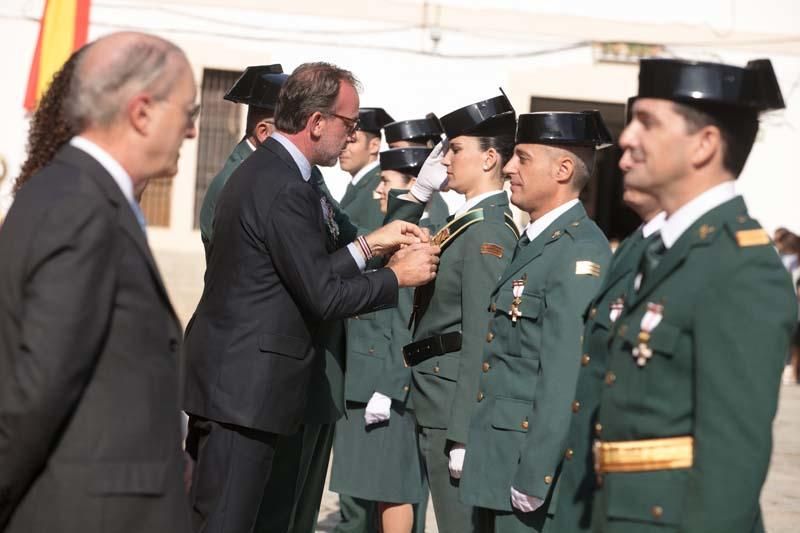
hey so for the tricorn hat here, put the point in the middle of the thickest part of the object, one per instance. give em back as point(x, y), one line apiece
point(406, 160)
point(258, 86)
point(578, 128)
point(494, 116)
point(752, 87)
point(420, 130)
point(373, 119)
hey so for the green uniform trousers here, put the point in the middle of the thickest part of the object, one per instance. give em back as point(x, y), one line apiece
point(452, 516)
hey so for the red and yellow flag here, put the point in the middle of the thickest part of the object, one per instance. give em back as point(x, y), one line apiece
point(62, 30)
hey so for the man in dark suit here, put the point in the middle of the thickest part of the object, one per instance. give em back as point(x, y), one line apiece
point(89, 411)
point(255, 340)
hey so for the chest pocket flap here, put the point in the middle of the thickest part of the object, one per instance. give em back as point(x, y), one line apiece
point(530, 305)
point(663, 338)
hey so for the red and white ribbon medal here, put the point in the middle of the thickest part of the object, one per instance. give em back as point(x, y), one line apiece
point(517, 287)
point(616, 307)
point(652, 318)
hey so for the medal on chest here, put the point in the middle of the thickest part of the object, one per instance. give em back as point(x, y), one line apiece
point(652, 318)
point(517, 288)
point(330, 221)
point(615, 309)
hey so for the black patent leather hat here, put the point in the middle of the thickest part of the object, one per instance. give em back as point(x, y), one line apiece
point(406, 160)
point(753, 87)
point(258, 86)
point(417, 130)
point(579, 128)
point(373, 119)
point(491, 117)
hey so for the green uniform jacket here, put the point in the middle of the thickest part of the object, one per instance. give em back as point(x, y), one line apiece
point(577, 479)
point(438, 211)
point(444, 386)
point(359, 203)
point(718, 353)
point(239, 154)
point(528, 369)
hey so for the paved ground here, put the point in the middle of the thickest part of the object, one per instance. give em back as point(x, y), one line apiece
point(780, 499)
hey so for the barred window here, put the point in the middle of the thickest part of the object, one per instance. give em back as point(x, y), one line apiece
point(156, 201)
point(219, 131)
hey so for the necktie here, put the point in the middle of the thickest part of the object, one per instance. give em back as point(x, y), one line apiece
point(653, 253)
point(137, 211)
point(521, 243)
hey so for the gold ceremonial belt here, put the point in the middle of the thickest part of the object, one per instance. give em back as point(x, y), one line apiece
point(643, 455)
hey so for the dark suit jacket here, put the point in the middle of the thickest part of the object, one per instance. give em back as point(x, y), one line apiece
point(89, 411)
point(272, 280)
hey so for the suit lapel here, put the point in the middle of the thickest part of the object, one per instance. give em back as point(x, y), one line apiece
point(534, 249)
point(127, 219)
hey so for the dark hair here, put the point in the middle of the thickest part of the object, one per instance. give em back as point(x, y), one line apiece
point(255, 115)
point(310, 88)
point(503, 145)
point(738, 128)
point(50, 126)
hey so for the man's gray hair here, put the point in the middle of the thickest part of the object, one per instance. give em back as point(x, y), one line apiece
point(99, 93)
point(583, 157)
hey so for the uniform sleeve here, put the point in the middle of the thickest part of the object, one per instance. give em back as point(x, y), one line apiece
point(741, 338)
point(297, 249)
point(481, 271)
point(405, 210)
point(67, 305)
point(566, 297)
point(395, 380)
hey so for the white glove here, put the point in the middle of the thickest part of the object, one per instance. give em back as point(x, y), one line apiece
point(378, 409)
point(433, 174)
point(523, 502)
point(456, 466)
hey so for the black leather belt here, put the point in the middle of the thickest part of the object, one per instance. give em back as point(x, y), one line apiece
point(420, 351)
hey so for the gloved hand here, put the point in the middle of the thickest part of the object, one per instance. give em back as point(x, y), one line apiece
point(456, 466)
point(433, 174)
point(523, 502)
point(378, 409)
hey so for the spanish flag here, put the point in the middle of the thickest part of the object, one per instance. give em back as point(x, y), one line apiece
point(63, 29)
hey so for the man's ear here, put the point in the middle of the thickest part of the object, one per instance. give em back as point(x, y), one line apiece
point(139, 112)
point(707, 144)
point(263, 129)
point(374, 146)
point(315, 124)
point(564, 168)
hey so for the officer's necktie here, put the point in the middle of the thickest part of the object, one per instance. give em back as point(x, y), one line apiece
point(653, 253)
point(521, 243)
point(137, 211)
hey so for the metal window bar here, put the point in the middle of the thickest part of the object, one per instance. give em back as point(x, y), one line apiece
point(219, 130)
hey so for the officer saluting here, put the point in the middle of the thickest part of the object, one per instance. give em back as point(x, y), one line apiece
point(695, 356)
point(258, 88)
point(532, 350)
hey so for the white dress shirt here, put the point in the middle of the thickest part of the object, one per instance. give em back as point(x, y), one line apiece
point(472, 202)
point(654, 224)
point(536, 227)
point(676, 224)
point(366, 169)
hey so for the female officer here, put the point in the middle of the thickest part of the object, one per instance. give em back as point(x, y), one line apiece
point(450, 315)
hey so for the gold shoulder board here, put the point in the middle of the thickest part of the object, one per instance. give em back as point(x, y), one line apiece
point(752, 237)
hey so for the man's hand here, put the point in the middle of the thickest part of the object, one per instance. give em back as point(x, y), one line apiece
point(378, 409)
point(385, 240)
point(432, 176)
point(415, 265)
point(456, 465)
point(522, 502)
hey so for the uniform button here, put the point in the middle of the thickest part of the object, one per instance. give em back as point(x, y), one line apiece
point(436, 369)
point(493, 308)
point(524, 424)
point(371, 350)
point(486, 366)
point(405, 388)
point(585, 359)
point(657, 511)
point(576, 406)
point(569, 453)
point(489, 336)
point(598, 429)
point(173, 345)
point(480, 396)
point(611, 378)
point(593, 313)
point(548, 479)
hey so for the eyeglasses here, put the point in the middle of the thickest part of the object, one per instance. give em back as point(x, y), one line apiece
point(350, 123)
